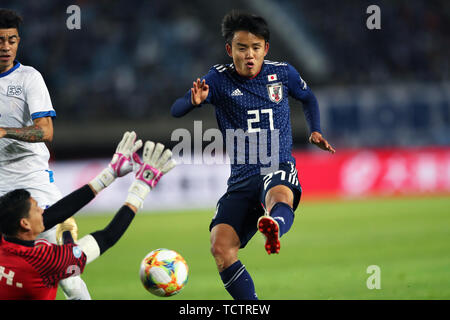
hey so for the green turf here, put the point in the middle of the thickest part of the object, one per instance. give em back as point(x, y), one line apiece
point(324, 256)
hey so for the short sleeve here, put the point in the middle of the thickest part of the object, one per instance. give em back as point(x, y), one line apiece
point(38, 97)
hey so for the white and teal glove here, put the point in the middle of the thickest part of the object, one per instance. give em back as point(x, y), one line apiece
point(155, 164)
point(121, 163)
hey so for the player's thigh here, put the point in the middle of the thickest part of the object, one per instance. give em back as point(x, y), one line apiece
point(236, 210)
point(281, 186)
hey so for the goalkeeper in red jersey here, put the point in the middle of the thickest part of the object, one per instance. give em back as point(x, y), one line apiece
point(31, 269)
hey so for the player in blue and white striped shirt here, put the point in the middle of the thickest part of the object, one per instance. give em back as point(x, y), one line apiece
point(251, 95)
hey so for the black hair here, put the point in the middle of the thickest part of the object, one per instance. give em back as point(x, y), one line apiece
point(241, 21)
point(9, 19)
point(14, 206)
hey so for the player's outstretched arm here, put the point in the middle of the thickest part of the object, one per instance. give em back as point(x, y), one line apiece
point(299, 90)
point(182, 106)
point(156, 163)
point(120, 165)
point(193, 98)
point(317, 139)
point(40, 131)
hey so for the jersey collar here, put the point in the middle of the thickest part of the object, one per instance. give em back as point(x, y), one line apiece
point(16, 65)
point(26, 243)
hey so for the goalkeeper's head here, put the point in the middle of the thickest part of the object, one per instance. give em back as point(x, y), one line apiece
point(20, 216)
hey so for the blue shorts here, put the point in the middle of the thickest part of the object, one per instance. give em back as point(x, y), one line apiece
point(241, 206)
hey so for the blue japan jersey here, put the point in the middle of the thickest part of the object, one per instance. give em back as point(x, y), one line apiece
point(257, 110)
point(253, 115)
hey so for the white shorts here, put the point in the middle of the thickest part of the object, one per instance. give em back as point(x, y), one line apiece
point(45, 195)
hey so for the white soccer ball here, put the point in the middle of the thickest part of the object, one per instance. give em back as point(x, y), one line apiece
point(164, 272)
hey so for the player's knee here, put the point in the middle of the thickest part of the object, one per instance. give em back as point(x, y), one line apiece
point(220, 250)
point(223, 254)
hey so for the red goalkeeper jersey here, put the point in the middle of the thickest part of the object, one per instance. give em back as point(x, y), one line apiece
point(32, 269)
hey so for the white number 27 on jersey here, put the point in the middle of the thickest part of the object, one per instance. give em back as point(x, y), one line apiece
point(255, 119)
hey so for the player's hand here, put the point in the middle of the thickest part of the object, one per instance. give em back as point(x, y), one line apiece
point(121, 163)
point(317, 139)
point(155, 163)
point(199, 92)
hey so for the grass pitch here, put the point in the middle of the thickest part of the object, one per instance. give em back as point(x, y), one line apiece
point(324, 256)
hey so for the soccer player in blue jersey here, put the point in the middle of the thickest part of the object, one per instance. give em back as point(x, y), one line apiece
point(251, 94)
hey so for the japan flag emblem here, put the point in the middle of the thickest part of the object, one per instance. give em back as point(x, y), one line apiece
point(272, 77)
point(275, 91)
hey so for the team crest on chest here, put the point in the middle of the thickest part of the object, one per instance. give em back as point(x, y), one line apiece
point(275, 91)
point(14, 91)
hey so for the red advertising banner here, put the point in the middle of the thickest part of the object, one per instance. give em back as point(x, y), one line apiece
point(353, 173)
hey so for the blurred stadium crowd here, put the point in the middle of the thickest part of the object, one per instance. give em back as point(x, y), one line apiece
point(131, 59)
point(412, 44)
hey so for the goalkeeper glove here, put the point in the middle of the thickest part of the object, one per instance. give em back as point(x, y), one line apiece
point(68, 225)
point(155, 164)
point(121, 163)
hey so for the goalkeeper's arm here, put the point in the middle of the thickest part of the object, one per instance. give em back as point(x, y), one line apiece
point(67, 206)
point(119, 166)
point(96, 243)
point(155, 165)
